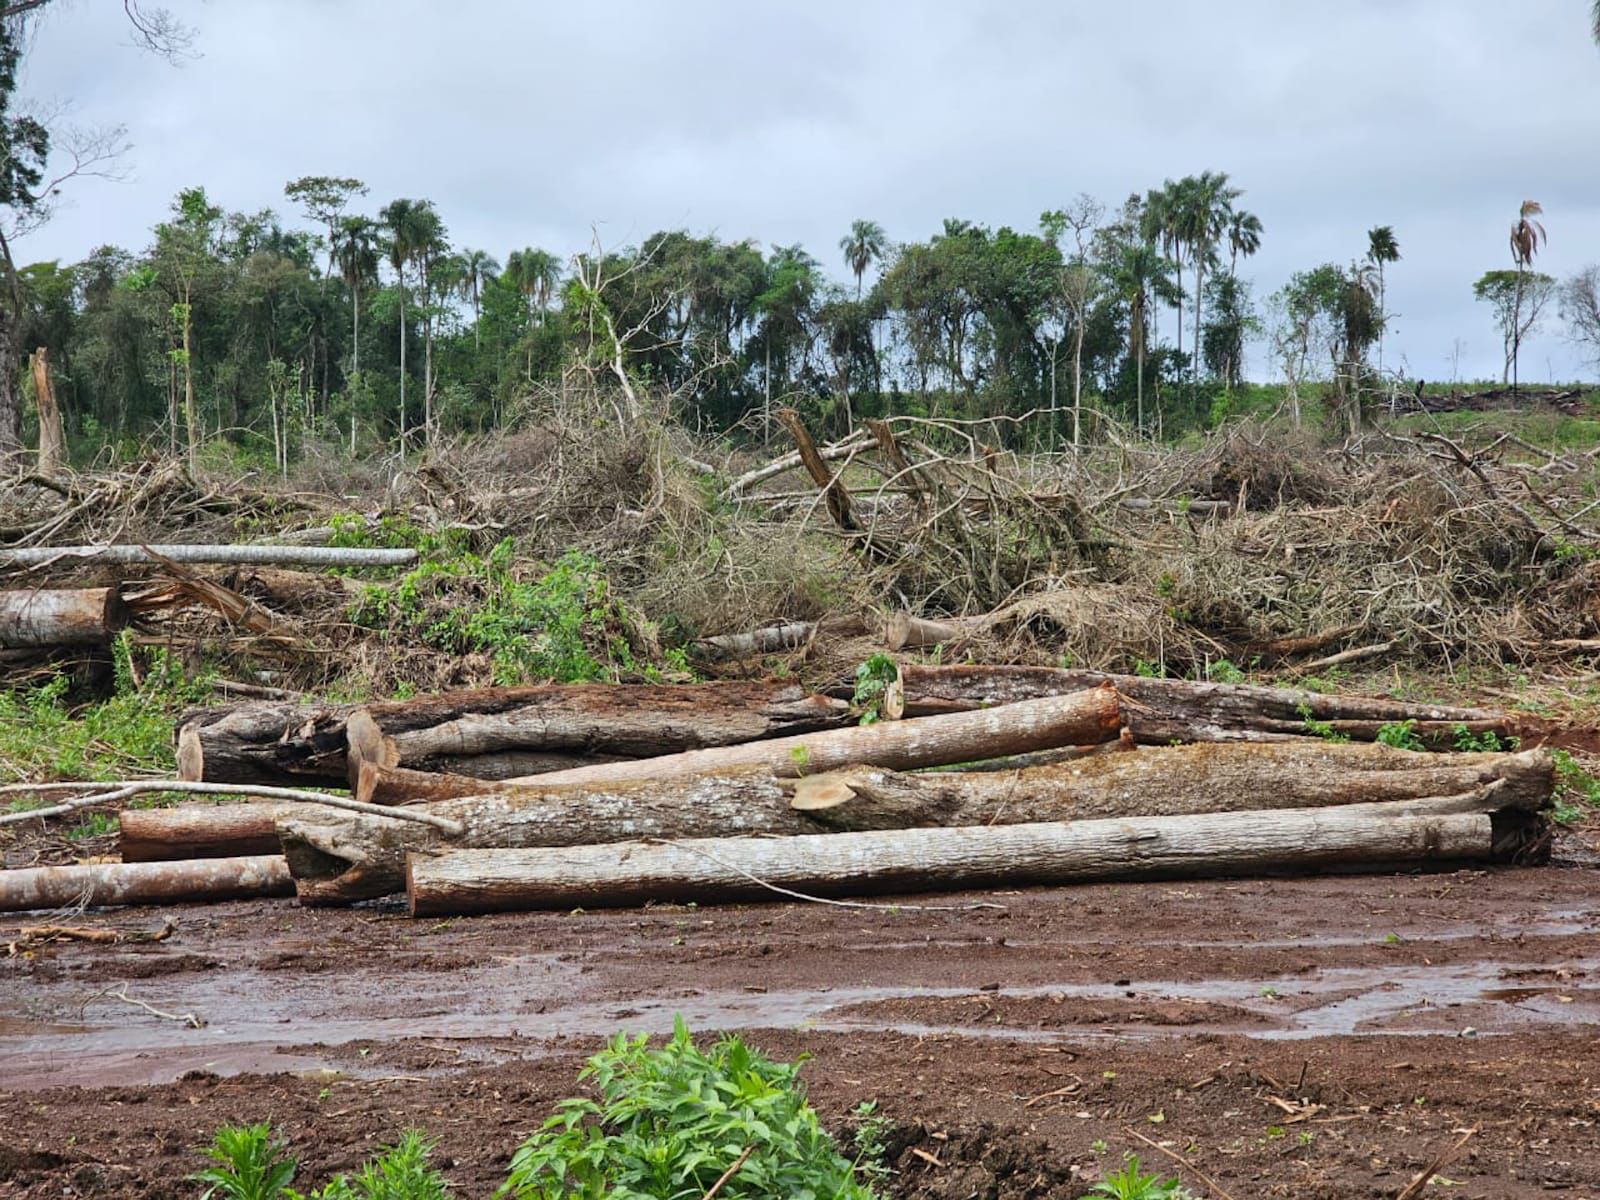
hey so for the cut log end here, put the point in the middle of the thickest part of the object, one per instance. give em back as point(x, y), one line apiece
point(366, 743)
point(191, 755)
point(817, 792)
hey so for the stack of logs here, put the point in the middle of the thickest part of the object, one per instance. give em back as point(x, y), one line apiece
point(566, 796)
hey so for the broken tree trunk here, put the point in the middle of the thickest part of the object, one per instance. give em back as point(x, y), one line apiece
point(1173, 781)
point(834, 492)
point(318, 556)
point(261, 741)
point(144, 883)
point(715, 869)
point(902, 631)
point(1163, 710)
point(199, 831)
point(52, 445)
point(438, 732)
point(64, 617)
point(339, 861)
point(1084, 718)
point(771, 639)
point(378, 784)
point(787, 462)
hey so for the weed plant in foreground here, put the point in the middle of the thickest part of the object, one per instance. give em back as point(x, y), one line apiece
point(675, 1121)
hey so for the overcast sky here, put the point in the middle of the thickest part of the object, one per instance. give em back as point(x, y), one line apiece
point(528, 122)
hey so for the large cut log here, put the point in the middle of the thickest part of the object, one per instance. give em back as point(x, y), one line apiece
point(1173, 781)
point(339, 857)
point(338, 861)
point(770, 639)
point(1084, 718)
point(317, 556)
point(491, 733)
point(199, 831)
point(1163, 710)
point(438, 732)
point(144, 883)
point(715, 869)
point(61, 617)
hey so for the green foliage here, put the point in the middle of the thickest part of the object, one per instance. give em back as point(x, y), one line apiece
point(563, 626)
point(43, 737)
point(1129, 1184)
point(871, 1142)
point(1402, 735)
point(1577, 793)
point(1321, 729)
point(873, 678)
point(249, 1163)
point(669, 1122)
point(1224, 671)
point(1486, 742)
point(92, 825)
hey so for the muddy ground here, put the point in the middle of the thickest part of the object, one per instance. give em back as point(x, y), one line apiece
point(1312, 1038)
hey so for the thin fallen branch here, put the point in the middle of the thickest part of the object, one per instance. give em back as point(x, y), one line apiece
point(733, 1170)
point(1181, 1161)
point(319, 556)
point(110, 793)
point(1446, 1157)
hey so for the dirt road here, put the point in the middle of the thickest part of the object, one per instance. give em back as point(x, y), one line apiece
point(1313, 1038)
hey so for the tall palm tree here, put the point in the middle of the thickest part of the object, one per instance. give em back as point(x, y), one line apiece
point(1382, 248)
point(862, 246)
point(1244, 237)
point(1140, 277)
point(1205, 207)
point(534, 273)
point(1527, 235)
point(355, 250)
point(1160, 225)
point(478, 268)
point(407, 230)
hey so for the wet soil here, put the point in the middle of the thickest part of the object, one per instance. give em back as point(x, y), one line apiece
point(1309, 1038)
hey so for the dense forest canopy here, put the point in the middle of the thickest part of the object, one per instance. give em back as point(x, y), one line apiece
point(362, 322)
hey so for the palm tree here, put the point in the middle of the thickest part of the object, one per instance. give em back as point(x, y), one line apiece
point(1138, 277)
point(1244, 237)
point(534, 273)
point(478, 268)
point(1527, 235)
point(355, 250)
point(1160, 225)
point(1205, 208)
point(863, 246)
point(406, 226)
point(1382, 248)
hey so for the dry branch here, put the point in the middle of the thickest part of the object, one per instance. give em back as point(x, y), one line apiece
point(319, 556)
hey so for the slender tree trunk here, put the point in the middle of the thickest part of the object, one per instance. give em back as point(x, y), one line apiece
point(1077, 379)
point(1199, 282)
point(52, 446)
point(191, 415)
point(402, 274)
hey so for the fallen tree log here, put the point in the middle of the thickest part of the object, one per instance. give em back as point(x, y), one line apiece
point(188, 831)
point(340, 857)
point(491, 733)
point(901, 861)
point(902, 631)
point(1163, 710)
point(98, 884)
point(771, 639)
point(439, 732)
point(60, 617)
point(1084, 718)
point(338, 861)
point(317, 556)
point(1175, 781)
point(378, 784)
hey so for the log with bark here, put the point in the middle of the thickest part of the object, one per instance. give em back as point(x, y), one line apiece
point(1163, 710)
point(60, 617)
point(1366, 837)
point(52, 445)
point(770, 639)
point(902, 631)
point(1175, 781)
point(439, 732)
point(339, 861)
point(339, 857)
point(199, 831)
point(144, 883)
point(1084, 718)
point(493, 733)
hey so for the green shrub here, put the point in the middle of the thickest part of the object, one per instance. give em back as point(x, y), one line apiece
point(563, 626)
point(1402, 735)
point(251, 1163)
point(1129, 1184)
point(873, 678)
point(669, 1123)
point(1577, 792)
point(1488, 741)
